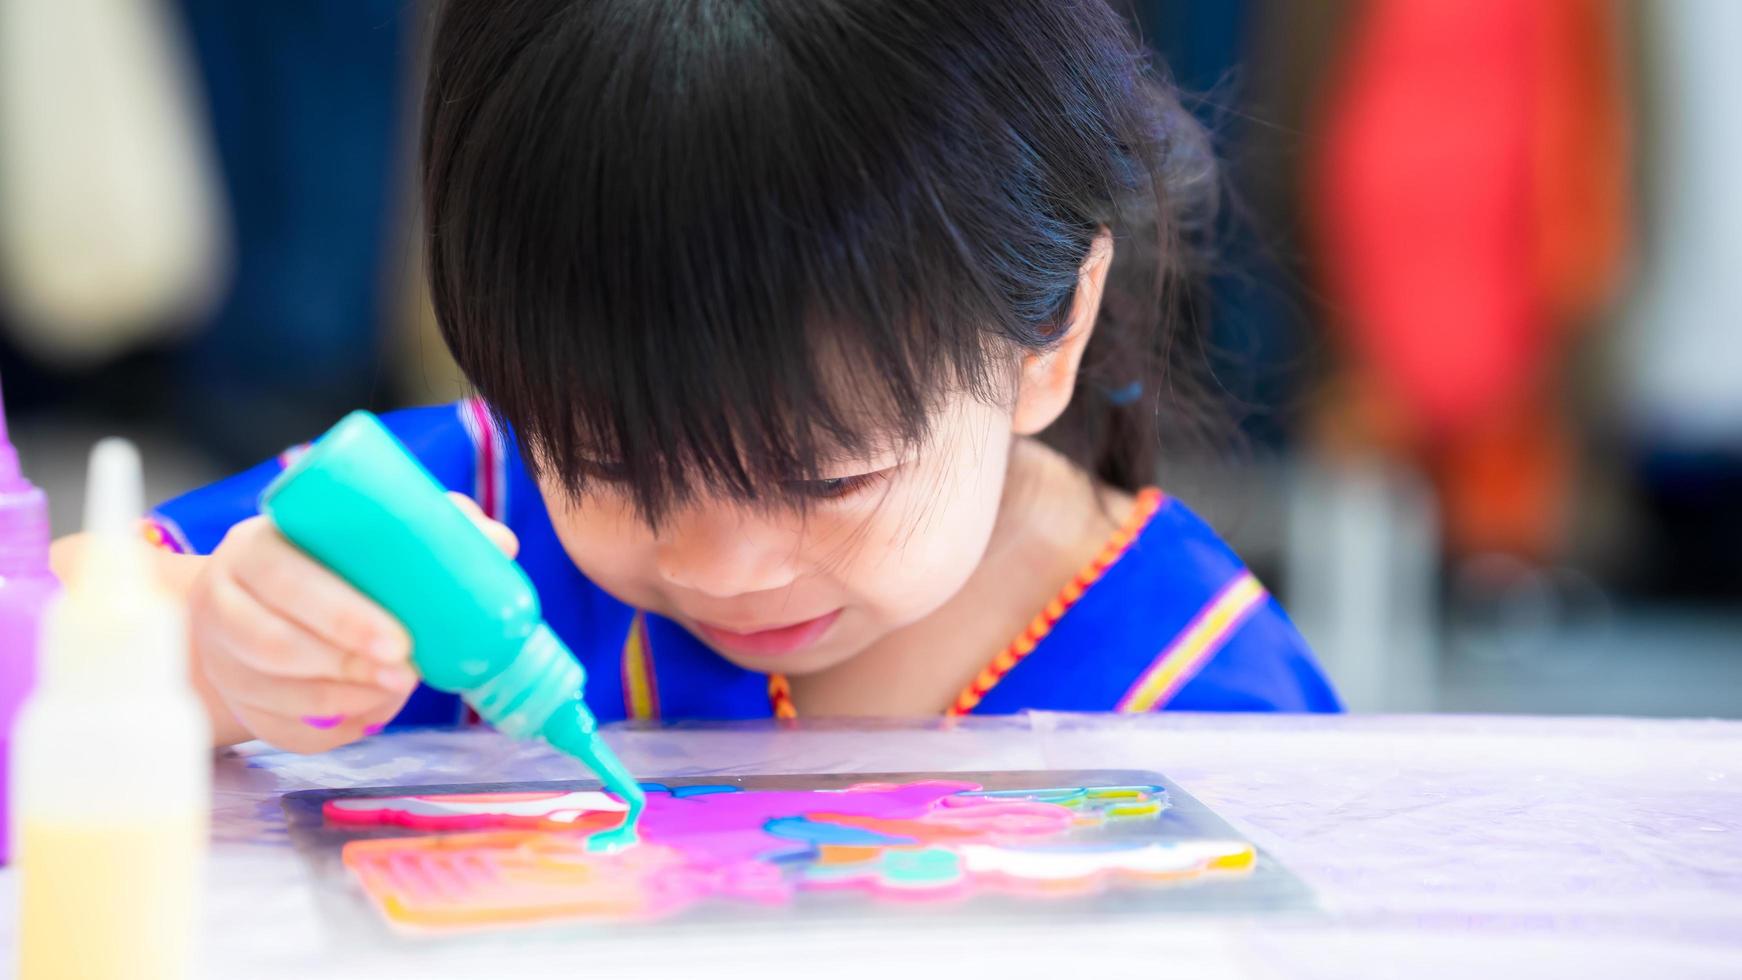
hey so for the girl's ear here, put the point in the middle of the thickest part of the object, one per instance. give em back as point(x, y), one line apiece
point(1049, 378)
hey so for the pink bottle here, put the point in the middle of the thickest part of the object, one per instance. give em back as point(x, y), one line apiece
point(26, 585)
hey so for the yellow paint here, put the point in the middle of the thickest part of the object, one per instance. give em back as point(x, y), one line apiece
point(109, 900)
point(1143, 808)
point(1238, 861)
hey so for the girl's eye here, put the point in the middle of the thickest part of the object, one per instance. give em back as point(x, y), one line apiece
point(835, 488)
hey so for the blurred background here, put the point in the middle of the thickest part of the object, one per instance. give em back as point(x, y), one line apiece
point(1478, 309)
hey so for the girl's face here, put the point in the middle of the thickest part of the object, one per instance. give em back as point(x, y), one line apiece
point(885, 541)
point(882, 544)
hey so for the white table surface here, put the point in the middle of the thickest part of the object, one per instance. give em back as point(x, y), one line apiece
point(1439, 846)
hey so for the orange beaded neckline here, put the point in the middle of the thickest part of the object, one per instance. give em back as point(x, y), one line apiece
point(1148, 502)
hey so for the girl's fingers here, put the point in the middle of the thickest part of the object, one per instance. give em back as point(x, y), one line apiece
point(297, 588)
point(263, 641)
point(372, 723)
point(320, 706)
point(315, 733)
point(498, 533)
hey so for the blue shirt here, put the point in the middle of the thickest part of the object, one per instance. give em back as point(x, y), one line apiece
point(1166, 618)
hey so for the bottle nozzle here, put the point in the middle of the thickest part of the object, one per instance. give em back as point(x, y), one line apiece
point(112, 626)
point(24, 532)
point(10, 476)
point(114, 501)
point(115, 498)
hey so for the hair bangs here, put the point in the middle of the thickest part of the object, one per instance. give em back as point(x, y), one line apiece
point(713, 246)
point(696, 275)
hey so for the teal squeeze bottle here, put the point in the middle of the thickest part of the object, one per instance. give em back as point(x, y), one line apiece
point(360, 504)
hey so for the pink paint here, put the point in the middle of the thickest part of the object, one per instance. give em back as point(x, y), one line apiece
point(375, 729)
point(323, 721)
point(730, 826)
point(549, 810)
point(527, 860)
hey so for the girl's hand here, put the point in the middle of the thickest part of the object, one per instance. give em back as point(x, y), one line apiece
point(303, 660)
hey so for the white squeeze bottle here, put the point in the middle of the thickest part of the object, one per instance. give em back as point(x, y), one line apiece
point(112, 762)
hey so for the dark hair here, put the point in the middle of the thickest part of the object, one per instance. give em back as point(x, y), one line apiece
point(658, 231)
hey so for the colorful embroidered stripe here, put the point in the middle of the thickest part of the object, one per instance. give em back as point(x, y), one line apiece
point(640, 685)
point(490, 470)
point(780, 697)
point(161, 532)
point(1195, 645)
point(1148, 502)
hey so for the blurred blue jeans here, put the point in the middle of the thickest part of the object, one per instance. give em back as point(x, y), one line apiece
point(309, 103)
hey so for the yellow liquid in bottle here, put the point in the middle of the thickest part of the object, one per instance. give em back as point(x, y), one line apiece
point(109, 900)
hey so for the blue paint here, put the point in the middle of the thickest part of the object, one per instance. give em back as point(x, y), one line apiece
point(814, 832)
point(1059, 796)
point(685, 792)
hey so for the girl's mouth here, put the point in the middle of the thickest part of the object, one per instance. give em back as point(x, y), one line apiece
point(772, 641)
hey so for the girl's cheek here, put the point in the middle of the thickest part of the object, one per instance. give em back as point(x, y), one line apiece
point(608, 546)
point(924, 546)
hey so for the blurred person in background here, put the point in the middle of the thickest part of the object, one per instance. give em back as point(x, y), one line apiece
point(298, 119)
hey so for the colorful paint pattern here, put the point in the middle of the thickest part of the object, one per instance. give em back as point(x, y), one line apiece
point(510, 859)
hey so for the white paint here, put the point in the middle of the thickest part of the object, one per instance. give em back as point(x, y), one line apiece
point(567, 808)
point(1038, 864)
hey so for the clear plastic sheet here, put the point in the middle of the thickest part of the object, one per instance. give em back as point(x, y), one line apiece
point(1439, 847)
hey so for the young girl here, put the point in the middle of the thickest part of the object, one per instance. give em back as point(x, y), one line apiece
point(814, 344)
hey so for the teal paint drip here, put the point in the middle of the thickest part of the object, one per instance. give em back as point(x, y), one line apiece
point(359, 503)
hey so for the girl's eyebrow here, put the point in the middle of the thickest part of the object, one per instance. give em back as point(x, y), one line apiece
point(880, 456)
point(849, 464)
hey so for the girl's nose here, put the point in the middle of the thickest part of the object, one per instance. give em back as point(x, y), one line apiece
point(718, 553)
